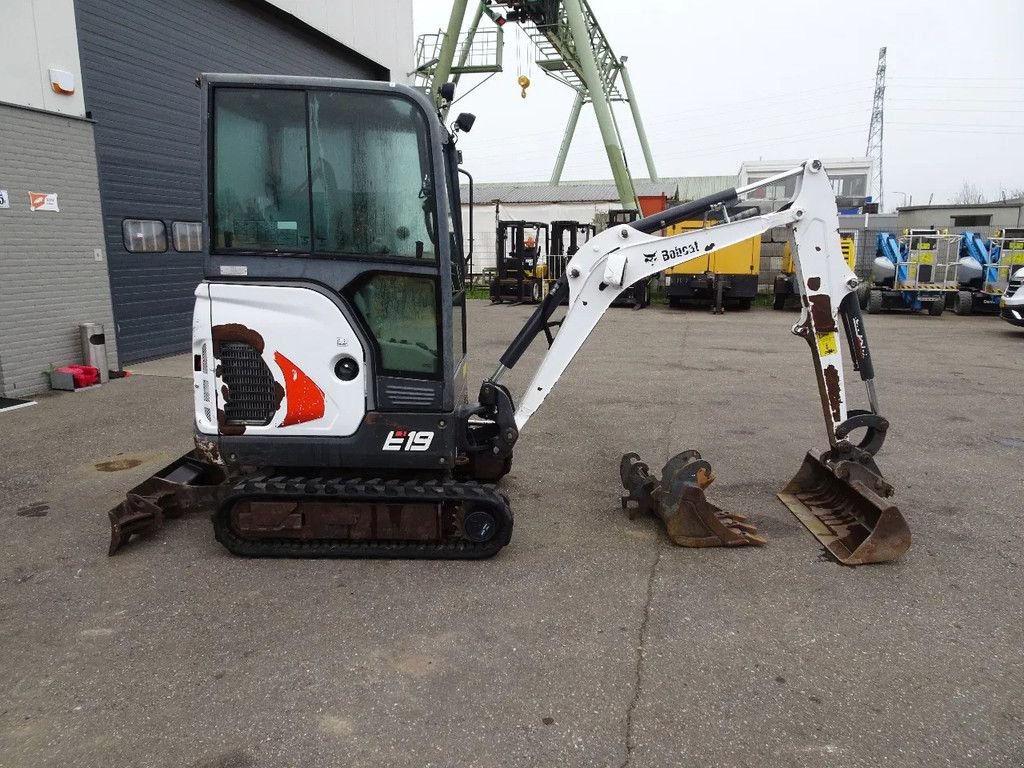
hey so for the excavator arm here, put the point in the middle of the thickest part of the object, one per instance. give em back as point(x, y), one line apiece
point(622, 255)
point(839, 495)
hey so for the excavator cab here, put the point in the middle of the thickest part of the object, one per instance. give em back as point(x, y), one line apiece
point(329, 207)
point(329, 337)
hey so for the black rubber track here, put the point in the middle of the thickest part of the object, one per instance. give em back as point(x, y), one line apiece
point(282, 487)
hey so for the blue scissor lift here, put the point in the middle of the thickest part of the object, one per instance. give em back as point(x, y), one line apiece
point(913, 272)
point(985, 268)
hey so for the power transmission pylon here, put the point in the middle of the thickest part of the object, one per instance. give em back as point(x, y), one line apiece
point(876, 131)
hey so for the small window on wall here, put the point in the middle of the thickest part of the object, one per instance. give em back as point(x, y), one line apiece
point(972, 221)
point(144, 235)
point(187, 236)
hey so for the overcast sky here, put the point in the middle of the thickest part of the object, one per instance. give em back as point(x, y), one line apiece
point(720, 83)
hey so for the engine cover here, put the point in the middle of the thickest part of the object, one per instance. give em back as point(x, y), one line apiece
point(275, 360)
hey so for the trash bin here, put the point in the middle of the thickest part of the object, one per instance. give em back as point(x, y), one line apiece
point(94, 348)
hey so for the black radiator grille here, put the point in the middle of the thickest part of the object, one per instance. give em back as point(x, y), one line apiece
point(251, 396)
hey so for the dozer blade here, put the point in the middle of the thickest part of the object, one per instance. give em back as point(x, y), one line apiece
point(188, 485)
point(842, 502)
point(678, 499)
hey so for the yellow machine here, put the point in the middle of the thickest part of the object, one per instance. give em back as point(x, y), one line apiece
point(729, 274)
point(785, 281)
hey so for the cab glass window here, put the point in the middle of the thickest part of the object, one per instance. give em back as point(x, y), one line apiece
point(373, 190)
point(361, 185)
point(260, 171)
point(401, 312)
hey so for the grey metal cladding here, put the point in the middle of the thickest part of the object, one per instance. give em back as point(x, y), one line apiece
point(139, 64)
point(50, 278)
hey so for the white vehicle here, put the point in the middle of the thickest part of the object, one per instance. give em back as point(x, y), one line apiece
point(1011, 306)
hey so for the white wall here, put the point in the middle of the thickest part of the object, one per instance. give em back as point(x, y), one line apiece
point(36, 35)
point(485, 224)
point(836, 165)
point(380, 30)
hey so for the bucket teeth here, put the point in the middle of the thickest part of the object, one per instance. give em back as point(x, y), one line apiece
point(841, 501)
point(678, 499)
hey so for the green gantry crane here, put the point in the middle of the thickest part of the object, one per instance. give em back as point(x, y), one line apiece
point(572, 48)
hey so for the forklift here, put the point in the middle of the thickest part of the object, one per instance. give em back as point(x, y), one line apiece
point(520, 250)
point(638, 295)
point(566, 238)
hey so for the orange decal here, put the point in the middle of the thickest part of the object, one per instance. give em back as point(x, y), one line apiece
point(305, 398)
point(43, 201)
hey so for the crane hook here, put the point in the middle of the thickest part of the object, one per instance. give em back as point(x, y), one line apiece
point(524, 83)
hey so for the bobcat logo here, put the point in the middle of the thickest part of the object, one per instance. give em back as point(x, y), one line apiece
point(679, 251)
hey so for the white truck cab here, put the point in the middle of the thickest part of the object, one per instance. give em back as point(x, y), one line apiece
point(1011, 306)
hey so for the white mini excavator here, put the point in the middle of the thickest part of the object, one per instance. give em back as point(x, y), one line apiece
point(332, 416)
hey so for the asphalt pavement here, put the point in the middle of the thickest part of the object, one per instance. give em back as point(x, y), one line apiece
point(590, 640)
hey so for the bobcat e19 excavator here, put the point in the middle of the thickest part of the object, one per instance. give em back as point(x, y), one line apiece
point(332, 415)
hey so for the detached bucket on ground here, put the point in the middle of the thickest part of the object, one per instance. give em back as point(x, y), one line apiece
point(678, 499)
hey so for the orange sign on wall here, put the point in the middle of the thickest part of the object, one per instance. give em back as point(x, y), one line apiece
point(43, 201)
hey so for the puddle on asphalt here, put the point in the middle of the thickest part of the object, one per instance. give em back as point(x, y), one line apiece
point(117, 465)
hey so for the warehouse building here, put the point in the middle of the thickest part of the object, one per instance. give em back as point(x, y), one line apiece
point(99, 120)
point(850, 177)
point(582, 201)
point(589, 201)
point(980, 217)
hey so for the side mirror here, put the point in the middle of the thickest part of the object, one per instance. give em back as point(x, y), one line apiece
point(447, 92)
point(464, 122)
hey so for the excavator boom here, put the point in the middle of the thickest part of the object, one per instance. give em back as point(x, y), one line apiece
point(843, 514)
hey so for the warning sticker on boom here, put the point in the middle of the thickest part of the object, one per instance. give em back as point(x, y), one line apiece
point(827, 344)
